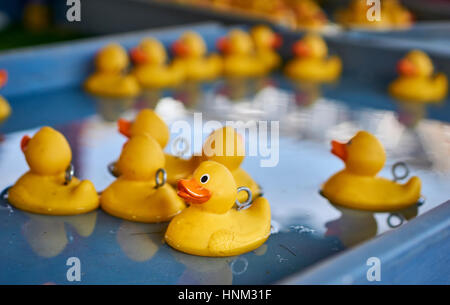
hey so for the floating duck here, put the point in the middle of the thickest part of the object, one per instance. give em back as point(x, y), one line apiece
point(392, 15)
point(226, 146)
point(140, 192)
point(190, 52)
point(49, 186)
point(309, 15)
point(266, 41)
point(240, 58)
point(210, 226)
point(311, 62)
point(149, 123)
point(5, 109)
point(358, 187)
point(110, 79)
point(151, 68)
point(416, 82)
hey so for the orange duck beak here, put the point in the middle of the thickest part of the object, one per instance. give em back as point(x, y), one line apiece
point(277, 41)
point(138, 56)
point(223, 45)
point(24, 143)
point(192, 192)
point(124, 127)
point(301, 49)
point(339, 149)
point(3, 77)
point(406, 67)
point(179, 48)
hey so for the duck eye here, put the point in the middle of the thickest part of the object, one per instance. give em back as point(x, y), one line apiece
point(204, 178)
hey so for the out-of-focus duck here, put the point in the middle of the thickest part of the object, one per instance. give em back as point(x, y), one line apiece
point(110, 78)
point(266, 41)
point(240, 58)
point(5, 108)
point(311, 61)
point(190, 51)
point(416, 81)
point(151, 67)
point(147, 122)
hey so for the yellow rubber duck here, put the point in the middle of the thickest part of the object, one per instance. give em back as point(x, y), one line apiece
point(416, 82)
point(308, 14)
point(190, 51)
point(140, 193)
point(227, 147)
point(151, 68)
point(392, 15)
point(5, 109)
point(210, 226)
point(240, 58)
point(358, 187)
point(311, 61)
point(266, 41)
point(147, 122)
point(48, 187)
point(109, 79)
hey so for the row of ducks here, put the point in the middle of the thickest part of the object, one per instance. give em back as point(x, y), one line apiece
point(246, 55)
point(219, 220)
point(307, 14)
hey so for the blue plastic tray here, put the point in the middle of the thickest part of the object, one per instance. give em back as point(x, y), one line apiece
point(312, 241)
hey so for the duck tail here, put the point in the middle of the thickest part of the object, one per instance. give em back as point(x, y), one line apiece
point(442, 83)
point(413, 187)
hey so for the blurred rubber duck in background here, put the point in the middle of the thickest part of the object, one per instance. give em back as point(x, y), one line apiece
point(140, 192)
point(311, 61)
point(240, 58)
point(266, 41)
point(110, 78)
point(5, 108)
point(147, 122)
point(358, 187)
point(49, 186)
point(392, 15)
point(190, 51)
point(308, 14)
point(416, 81)
point(151, 67)
point(211, 226)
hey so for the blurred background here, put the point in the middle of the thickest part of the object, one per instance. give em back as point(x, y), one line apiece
point(31, 22)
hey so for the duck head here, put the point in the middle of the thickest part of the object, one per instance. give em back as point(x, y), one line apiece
point(225, 146)
point(141, 157)
point(415, 63)
point(3, 77)
point(146, 122)
point(237, 42)
point(47, 152)
point(212, 188)
point(150, 51)
point(264, 38)
point(310, 46)
point(112, 59)
point(362, 155)
point(190, 44)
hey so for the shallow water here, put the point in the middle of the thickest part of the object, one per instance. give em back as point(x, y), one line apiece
point(306, 227)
